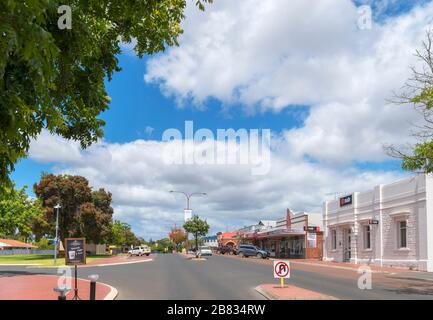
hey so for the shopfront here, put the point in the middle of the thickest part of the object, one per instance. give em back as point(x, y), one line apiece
point(388, 225)
point(297, 236)
point(289, 244)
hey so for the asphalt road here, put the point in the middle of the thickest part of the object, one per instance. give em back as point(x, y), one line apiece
point(172, 276)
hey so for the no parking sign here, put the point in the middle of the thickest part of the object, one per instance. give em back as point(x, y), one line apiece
point(281, 269)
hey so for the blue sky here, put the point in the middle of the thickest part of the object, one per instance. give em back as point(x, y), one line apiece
point(136, 105)
point(330, 131)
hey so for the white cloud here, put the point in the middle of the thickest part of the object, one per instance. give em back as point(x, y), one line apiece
point(140, 181)
point(273, 54)
point(53, 148)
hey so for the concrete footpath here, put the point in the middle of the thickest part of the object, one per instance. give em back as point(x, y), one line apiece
point(40, 287)
point(290, 292)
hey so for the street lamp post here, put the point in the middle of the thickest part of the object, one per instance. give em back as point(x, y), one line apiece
point(188, 196)
point(56, 240)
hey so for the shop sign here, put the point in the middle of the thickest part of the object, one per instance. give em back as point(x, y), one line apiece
point(311, 229)
point(345, 201)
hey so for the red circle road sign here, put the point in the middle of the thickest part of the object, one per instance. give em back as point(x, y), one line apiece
point(282, 269)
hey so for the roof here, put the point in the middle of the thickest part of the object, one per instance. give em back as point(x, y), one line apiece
point(4, 243)
point(228, 235)
point(268, 223)
point(210, 238)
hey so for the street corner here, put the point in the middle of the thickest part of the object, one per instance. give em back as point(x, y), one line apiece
point(290, 292)
point(41, 287)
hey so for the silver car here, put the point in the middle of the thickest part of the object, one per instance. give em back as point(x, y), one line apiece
point(204, 251)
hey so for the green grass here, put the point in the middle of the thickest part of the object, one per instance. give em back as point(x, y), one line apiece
point(42, 259)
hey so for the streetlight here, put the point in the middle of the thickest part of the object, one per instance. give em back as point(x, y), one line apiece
point(56, 240)
point(188, 196)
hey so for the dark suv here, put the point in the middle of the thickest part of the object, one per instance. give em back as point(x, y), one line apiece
point(245, 250)
point(225, 250)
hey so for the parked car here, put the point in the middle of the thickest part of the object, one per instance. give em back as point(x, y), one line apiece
point(147, 250)
point(204, 251)
point(139, 251)
point(225, 250)
point(252, 251)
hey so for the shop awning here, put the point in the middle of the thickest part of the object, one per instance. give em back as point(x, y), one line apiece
point(273, 234)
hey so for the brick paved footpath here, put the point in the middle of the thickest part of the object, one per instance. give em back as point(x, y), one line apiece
point(40, 287)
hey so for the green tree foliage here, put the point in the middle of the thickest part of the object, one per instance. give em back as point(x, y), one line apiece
point(418, 92)
point(83, 213)
point(44, 244)
point(53, 78)
point(196, 226)
point(163, 245)
point(18, 214)
point(121, 234)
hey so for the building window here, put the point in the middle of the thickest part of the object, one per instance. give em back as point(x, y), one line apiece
point(367, 237)
point(334, 239)
point(402, 234)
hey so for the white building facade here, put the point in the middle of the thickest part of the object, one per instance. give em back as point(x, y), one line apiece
point(210, 241)
point(390, 225)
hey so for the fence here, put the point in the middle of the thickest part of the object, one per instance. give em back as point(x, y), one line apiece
point(24, 251)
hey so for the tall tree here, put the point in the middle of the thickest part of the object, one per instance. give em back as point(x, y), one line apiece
point(83, 212)
point(177, 236)
point(418, 92)
point(52, 76)
point(198, 227)
point(18, 214)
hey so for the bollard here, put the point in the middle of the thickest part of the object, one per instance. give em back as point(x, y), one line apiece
point(93, 278)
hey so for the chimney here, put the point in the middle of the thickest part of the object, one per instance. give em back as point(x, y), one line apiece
point(288, 219)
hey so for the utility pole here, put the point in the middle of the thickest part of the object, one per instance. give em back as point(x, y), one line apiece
point(56, 240)
point(188, 196)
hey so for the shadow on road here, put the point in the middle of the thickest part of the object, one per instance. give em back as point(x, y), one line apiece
point(14, 273)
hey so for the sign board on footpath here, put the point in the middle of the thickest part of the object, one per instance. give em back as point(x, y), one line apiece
point(75, 249)
point(281, 270)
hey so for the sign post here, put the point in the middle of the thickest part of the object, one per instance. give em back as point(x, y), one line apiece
point(281, 271)
point(75, 249)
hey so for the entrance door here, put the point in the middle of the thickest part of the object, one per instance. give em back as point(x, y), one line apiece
point(347, 244)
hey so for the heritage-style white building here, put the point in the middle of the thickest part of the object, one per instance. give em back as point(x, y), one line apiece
point(390, 225)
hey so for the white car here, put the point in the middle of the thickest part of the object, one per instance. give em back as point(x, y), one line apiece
point(139, 251)
point(204, 251)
